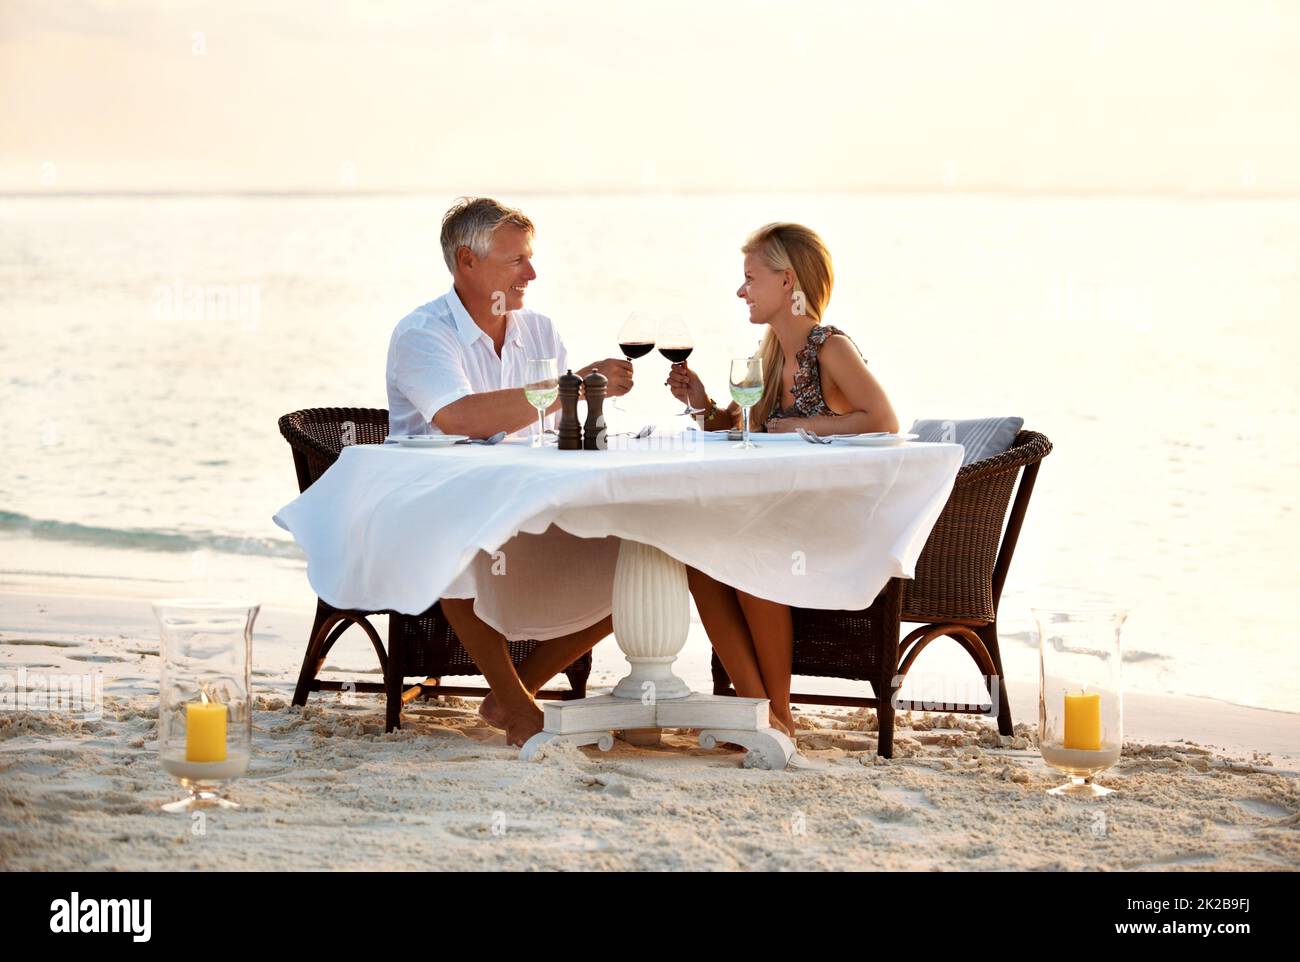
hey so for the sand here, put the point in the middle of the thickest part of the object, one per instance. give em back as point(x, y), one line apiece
point(327, 789)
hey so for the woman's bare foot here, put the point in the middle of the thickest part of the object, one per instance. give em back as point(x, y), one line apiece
point(783, 725)
point(793, 731)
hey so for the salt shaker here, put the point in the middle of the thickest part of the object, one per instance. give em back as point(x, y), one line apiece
point(570, 430)
point(595, 384)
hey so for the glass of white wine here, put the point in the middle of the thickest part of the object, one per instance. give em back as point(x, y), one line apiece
point(541, 388)
point(746, 389)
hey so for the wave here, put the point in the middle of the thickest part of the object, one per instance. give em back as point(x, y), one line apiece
point(149, 539)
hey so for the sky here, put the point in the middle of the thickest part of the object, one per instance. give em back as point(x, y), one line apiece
point(1034, 96)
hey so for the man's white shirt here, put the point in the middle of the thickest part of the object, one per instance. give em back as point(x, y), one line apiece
point(438, 355)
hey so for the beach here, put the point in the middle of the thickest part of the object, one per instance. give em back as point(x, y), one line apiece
point(1081, 221)
point(153, 466)
point(142, 388)
point(1201, 784)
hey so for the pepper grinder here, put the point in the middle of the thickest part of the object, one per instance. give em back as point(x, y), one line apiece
point(570, 429)
point(595, 384)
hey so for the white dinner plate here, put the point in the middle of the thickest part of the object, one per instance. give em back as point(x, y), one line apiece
point(877, 440)
point(427, 440)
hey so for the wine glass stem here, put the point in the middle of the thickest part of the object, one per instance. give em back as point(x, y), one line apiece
point(746, 432)
point(541, 429)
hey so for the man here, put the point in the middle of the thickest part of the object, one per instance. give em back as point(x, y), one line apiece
point(457, 366)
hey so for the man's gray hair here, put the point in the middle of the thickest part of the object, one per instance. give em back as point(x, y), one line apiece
point(471, 222)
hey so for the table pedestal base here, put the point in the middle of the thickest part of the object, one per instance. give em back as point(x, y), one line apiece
point(722, 718)
point(651, 608)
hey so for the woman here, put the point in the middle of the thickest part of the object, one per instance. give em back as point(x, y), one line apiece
point(813, 377)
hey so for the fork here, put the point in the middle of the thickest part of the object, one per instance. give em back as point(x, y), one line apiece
point(810, 437)
point(813, 438)
point(492, 439)
point(645, 432)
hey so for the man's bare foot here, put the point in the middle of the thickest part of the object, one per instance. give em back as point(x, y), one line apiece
point(491, 712)
point(522, 726)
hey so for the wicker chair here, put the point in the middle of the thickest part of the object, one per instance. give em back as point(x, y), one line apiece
point(958, 584)
point(418, 645)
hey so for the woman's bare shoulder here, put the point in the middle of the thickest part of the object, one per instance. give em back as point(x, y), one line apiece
point(839, 345)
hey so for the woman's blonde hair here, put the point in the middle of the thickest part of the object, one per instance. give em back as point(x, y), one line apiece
point(795, 248)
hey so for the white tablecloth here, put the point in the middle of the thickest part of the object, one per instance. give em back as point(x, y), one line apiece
point(533, 535)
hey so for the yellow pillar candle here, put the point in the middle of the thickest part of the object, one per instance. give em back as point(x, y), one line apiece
point(205, 731)
point(1083, 721)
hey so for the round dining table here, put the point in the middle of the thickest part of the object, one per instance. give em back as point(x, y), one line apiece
point(548, 541)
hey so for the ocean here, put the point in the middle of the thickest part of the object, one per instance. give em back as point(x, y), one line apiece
point(149, 343)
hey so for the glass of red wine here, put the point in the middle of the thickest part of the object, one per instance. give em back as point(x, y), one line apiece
point(636, 338)
point(673, 338)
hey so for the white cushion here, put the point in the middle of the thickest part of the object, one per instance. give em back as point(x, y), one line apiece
point(981, 438)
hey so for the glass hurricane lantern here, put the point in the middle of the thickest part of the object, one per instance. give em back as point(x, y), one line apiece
point(205, 710)
point(1080, 695)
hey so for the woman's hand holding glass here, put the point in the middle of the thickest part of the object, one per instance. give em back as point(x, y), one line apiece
point(674, 341)
point(687, 386)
